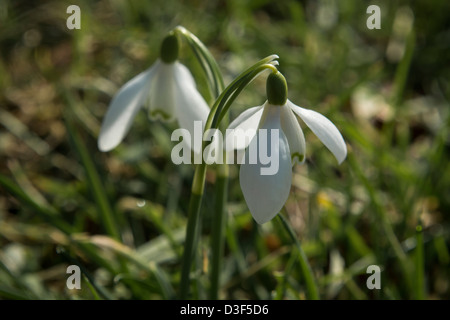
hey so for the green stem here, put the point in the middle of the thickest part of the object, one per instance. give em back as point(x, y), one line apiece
point(218, 229)
point(226, 97)
point(216, 86)
point(420, 281)
point(192, 231)
point(219, 223)
point(305, 268)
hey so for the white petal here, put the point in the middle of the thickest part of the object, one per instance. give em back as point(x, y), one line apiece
point(294, 135)
point(161, 104)
point(266, 195)
point(243, 129)
point(324, 129)
point(184, 74)
point(189, 108)
point(123, 108)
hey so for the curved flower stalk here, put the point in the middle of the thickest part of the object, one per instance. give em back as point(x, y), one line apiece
point(215, 117)
point(166, 90)
point(265, 192)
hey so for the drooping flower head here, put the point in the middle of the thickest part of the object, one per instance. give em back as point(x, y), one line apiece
point(166, 90)
point(266, 194)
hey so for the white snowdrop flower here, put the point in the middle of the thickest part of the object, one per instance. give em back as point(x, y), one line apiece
point(166, 90)
point(266, 194)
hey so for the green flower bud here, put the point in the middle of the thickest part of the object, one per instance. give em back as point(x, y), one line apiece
point(170, 48)
point(277, 90)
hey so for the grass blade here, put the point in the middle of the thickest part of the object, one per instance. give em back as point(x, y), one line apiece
point(311, 286)
point(106, 212)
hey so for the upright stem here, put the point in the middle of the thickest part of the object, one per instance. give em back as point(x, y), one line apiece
point(419, 276)
point(224, 97)
point(192, 230)
point(218, 229)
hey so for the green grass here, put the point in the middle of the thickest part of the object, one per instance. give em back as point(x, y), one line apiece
point(122, 215)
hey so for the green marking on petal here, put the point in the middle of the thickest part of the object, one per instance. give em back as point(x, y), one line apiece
point(159, 114)
point(300, 157)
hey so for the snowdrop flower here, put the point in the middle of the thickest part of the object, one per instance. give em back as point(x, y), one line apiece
point(265, 195)
point(166, 90)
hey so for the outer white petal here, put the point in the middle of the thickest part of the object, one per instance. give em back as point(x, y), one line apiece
point(243, 129)
point(324, 129)
point(266, 195)
point(294, 135)
point(161, 98)
point(184, 74)
point(123, 108)
point(189, 107)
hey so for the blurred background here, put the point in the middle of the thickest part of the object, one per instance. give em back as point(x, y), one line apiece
point(121, 216)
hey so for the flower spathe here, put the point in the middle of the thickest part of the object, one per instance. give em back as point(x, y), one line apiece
point(266, 195)
point(167, 90)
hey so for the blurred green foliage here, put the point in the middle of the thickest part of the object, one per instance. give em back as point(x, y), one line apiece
point(121, 216)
